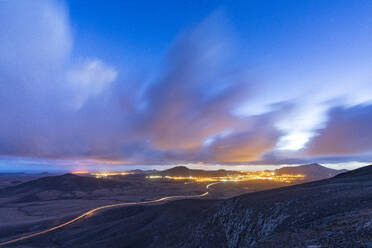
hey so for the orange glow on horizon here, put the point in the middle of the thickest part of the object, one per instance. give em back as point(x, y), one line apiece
point(107, 174)
point(80, 172)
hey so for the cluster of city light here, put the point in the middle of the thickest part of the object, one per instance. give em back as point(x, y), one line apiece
point(103, 174)
point(241, 177)
point(108, 174)
point(198, 179)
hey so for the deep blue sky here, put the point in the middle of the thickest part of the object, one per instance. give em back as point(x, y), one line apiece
point(283, 28)
point(198, 82)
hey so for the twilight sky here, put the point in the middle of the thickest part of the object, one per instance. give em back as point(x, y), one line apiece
point(257, 82)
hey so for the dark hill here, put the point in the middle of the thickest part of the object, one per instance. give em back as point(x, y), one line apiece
point(185, 172)
point(312, 171)
point(361, 172)
point(178, 170)
point(66, 186)
point(66, 182)
point(328, 213)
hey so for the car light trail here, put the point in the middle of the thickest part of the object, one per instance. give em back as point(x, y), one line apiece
point(167, 198)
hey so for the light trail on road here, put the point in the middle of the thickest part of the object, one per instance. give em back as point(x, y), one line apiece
point(167, 198)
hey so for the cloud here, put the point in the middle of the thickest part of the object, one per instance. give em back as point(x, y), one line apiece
point(194, 97)
point(89, 79)
point(54, 105)
point(249, 144)
point(36, 38)
point(347, 132)
point(76, 109)
point(345, 137)
point(40, 80)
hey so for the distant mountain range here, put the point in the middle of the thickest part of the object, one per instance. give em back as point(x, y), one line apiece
point(335, 212)
point(70, 186)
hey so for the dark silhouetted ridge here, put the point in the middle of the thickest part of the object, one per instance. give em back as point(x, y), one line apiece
point(361, 172)
point(185, 172)
point(180, 170)
point(64, 183)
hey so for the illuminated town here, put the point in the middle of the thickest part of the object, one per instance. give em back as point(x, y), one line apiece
point(107, 174)
point(103, 174)
point(241, 177)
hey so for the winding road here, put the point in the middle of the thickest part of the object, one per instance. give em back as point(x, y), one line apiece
point(27, 236)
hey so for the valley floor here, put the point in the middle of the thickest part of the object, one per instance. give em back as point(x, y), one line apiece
point(30, 209)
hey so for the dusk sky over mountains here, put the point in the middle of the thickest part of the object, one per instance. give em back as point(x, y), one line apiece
point(162, 82)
